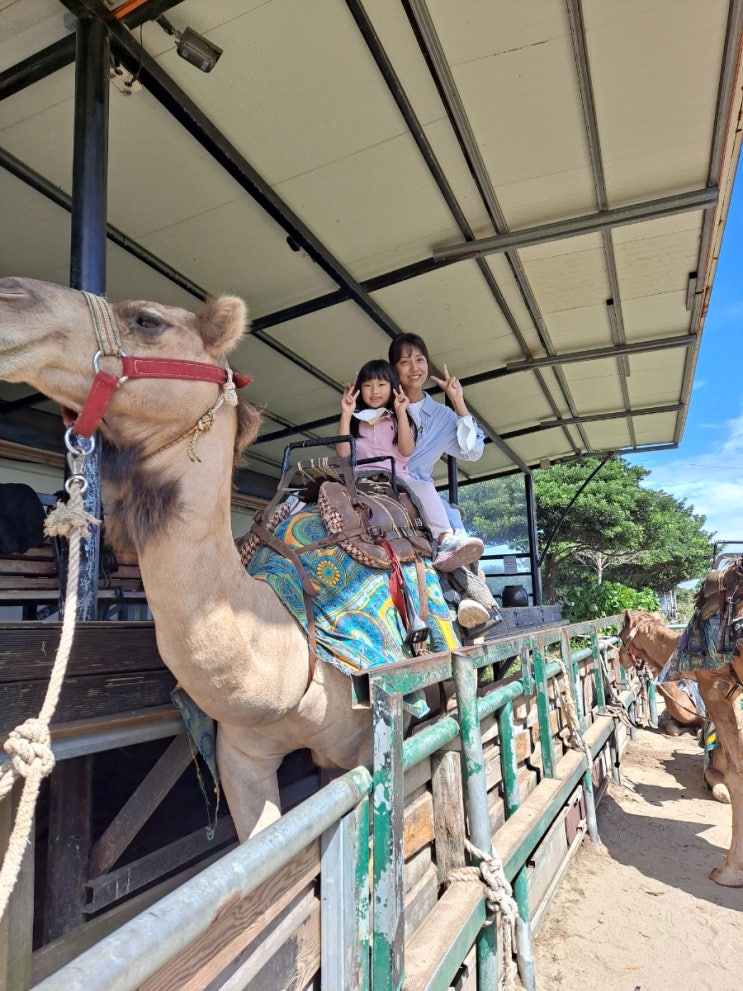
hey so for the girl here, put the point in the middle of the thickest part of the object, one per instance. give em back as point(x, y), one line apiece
point(379, 420)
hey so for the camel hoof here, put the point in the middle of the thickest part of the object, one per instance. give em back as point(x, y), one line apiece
point(728, 877)
point(673, 728)
point(721, 794)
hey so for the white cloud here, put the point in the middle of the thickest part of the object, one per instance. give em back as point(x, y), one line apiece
point(712, 483)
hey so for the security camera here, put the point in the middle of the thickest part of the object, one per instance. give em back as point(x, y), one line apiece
point(197, 50)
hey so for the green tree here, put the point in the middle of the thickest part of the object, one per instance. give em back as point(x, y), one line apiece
point(616, 527)
point(496, 510)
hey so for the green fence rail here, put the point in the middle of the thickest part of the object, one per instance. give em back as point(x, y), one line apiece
point(362, 923)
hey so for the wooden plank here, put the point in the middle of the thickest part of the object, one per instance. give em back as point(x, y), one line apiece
point(87, 697)
point(140, 806)
point(461, 905)
point(16, 924)
point(293, 965)
point(52, 957)
point(68, 845)
point(414, 868)
point(28, 649)
point(418, 824)
point(448, 813)
point(545, 861)
point(420, 901)
point(102, 891)
point(237, 925)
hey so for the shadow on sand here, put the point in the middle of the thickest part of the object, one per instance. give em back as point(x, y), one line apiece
point(674, 835)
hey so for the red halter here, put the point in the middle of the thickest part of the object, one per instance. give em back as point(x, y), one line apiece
point(105, 384)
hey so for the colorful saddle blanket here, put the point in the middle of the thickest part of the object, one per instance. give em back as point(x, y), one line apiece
point(703, 644)
point(356, 623)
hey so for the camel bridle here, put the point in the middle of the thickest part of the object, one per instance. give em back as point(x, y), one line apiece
point(628, 645)
point(105, 384)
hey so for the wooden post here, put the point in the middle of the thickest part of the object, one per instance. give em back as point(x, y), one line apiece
point(68, 845)
point(17, 924)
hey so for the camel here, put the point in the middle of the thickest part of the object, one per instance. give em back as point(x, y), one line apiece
point(656, 647)
point(227, 638)
point(680, 709)
point(645, 637)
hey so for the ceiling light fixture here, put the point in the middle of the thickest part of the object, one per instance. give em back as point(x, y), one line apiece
point(192, 46)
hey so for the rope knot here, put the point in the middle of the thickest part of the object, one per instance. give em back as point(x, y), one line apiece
point(228, 389)
point(498, 898)
point(203, 424)
point(29, 748)
point(69, 518)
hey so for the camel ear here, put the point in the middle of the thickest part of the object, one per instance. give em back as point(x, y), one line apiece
point(222, 322)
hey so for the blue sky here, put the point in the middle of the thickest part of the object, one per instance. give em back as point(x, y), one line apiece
point(706, 470)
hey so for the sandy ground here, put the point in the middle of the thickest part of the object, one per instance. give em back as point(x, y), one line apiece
point(639, 912)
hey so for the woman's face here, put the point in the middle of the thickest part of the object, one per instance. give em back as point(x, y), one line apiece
point(376, 393)
point(412, 370)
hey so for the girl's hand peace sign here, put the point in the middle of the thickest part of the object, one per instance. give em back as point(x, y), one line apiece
point(348, 399)
point(401, 401)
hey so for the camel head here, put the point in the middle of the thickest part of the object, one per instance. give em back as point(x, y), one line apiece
point(644, 639)
point(48, 340)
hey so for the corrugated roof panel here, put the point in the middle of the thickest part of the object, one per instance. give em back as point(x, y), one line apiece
point(570, 278)
point(655, 96)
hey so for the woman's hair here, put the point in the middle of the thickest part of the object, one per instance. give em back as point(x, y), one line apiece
point(406, 342)
point(377, 368)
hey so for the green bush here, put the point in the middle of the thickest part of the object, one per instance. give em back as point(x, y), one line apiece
point(591, 601)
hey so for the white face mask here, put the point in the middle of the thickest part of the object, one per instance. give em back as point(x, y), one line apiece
point(370, 415)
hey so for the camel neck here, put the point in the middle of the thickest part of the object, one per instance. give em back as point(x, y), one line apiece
point(213, 621)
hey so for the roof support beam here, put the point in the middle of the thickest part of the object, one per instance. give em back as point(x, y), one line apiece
point(62, 53)
point(665, 206)
point(422, 24)
point(42, 185)
point(592, 354)
point(620, 414)
point(614, 305)
point(183, 109)
point(513, 368)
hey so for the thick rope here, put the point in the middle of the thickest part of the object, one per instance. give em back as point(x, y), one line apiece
point(29, 745)
point(571, 716)
point(498, 898)
point(204, 423)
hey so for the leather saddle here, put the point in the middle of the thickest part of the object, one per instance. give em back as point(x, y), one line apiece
point(372, 515)
point(722, 589)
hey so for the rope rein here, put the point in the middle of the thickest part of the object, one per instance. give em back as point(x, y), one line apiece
point(498, 898)
point(29, 745)
point(204, 423)
point(571, 716)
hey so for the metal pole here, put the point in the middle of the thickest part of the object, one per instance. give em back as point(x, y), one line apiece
point(531, 524)
point(388, 951)
point(88, 243)
point(476, 801)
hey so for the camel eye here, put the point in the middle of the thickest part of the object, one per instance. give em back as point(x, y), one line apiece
point(146, 320)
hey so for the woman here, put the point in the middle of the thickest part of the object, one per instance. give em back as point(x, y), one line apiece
point(440, 430)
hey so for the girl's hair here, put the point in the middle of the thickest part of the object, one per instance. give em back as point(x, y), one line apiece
point(406, 342)
point(378, 368)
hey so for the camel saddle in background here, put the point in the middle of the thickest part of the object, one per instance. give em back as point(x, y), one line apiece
point(720, 591)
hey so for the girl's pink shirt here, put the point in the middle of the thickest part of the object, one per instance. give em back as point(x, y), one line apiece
point(375, 441)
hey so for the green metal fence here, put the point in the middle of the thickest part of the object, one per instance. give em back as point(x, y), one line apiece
point(359, 820)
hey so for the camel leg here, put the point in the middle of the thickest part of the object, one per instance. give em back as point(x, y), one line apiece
point(714, 775)
point(250, 785)
point(728, 719)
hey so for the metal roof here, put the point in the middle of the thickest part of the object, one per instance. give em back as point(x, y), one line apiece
point(538, 189)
